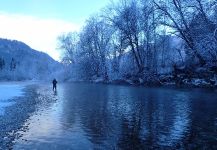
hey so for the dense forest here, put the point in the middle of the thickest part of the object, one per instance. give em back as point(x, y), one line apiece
point(146, 42)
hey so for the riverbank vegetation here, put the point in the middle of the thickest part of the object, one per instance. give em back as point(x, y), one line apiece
point(146, 42)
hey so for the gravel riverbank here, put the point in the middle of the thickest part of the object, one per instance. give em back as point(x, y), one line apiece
point(16, 115)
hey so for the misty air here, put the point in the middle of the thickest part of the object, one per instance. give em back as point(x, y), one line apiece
point(108, 74)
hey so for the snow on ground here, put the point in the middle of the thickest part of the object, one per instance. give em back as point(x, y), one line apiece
point(9, 90)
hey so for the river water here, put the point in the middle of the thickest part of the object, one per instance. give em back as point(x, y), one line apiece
point(98, 116)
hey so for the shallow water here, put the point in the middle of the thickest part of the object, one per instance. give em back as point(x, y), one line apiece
point(97, 116)
point(7, 92)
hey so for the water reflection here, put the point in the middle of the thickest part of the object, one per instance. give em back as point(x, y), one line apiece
point(89, 116)
point(55, 92)
point(180, 120)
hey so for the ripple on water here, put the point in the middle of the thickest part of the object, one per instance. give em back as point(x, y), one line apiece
point(93, 116)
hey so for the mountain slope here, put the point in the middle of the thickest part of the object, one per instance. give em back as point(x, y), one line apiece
point(20, 62)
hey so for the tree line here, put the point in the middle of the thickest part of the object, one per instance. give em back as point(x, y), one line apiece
point(142, 39)
point(13, 64)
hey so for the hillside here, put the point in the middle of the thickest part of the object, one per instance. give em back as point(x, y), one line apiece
point(18, 61)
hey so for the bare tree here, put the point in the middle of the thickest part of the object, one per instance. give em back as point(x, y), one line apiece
point(67, 43)
point(126, 21)
point(95, 40)
point(178, 13)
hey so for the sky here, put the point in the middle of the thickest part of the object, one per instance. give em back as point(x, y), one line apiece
point(38, 23)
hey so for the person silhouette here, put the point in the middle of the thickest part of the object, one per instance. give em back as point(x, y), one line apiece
point(54, 84)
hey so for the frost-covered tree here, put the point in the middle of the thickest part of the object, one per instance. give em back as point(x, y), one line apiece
point(179, 18)
point(67, 43)
point(144, 39)
point(13, 64)
point(126, 21)
point(95, 44)
point(2, 63)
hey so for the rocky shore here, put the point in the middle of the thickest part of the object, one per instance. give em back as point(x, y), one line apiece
point(12, 123)
point(202, 77)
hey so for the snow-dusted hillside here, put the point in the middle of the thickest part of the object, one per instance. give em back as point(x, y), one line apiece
point(20, 62)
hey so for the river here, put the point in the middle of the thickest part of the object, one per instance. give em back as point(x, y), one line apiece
point(99, 116)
